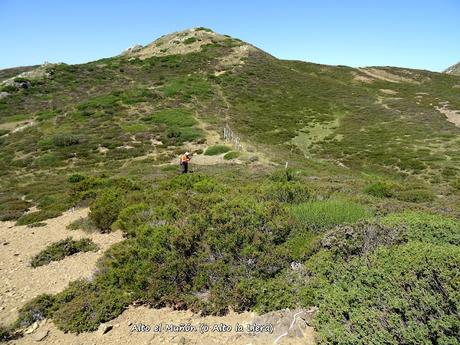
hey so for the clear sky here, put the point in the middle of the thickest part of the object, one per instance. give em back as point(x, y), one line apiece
point(419, 34)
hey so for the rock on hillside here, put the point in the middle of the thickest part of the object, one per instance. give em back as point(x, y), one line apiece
point(455, 69)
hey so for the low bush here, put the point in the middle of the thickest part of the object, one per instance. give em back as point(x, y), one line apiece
point(396, 295)
point(216, 150)
point(231, 155)
point(74, 178)
point(380, 189)
point(289, 192)
point(284, 175)
point(37, 309)
point(319, 215)
point(190, 40)
point(105, 209)
point(416, 195)
point(63, 140)
point(59, 250)
point(83, 306)
point(37, 216)
point(425, 227)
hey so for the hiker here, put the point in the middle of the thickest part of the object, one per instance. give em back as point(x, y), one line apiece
point(184, 159)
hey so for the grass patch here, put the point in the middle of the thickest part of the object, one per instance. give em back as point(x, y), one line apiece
point(173, 117)
point(59, 250)
point(319, 215)
point(135, 128)
point(216, 150)
point(232, 155)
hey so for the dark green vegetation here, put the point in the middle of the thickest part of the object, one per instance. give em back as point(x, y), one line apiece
point(376, 237)
point(59, 250)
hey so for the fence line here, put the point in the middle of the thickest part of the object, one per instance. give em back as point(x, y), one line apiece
point(229, 136)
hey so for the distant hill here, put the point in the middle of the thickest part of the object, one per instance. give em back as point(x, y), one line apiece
point(11, 72)
point(454, 69)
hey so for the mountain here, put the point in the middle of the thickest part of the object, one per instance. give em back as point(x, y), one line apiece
point(454, 69)
point(312, 185)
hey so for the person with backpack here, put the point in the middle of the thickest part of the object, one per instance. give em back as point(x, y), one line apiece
point(183, 161)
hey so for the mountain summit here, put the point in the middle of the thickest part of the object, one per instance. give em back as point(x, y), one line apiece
point(184, 42)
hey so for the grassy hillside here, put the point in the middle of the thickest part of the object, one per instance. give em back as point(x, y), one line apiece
point(368, 208)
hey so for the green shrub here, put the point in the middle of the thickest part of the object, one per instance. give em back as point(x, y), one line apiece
point(21, 80)
point(74, 178)
point(427, 228)
point(284, 175)
point(9, 88)
point(317, 215)
point(7, 334)
point(83, 306)
point(105, 209)
point(47, 160)
point(59, 250)
point(190, 40)
point(38, 216)
point(37, 309)
point(201, 28)
point(380, 189)
point(231, 155)
point(63, 140)
point(400, 295)
point(216, 150)
point(290, 192)
point(416, 195)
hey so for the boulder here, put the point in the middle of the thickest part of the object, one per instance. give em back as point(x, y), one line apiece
point(39, 336)
point(105, 328)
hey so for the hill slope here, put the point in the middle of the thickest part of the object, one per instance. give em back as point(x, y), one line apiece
point(454, 69)
point(363, 223)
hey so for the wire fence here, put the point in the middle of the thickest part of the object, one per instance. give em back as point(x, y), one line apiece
point(230, 137)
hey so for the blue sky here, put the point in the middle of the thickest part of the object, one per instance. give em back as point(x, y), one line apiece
point(419, 34)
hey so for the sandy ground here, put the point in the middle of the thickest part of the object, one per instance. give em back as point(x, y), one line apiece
point(18, 244)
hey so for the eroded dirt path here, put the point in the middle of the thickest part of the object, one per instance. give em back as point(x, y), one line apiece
point(18, 244)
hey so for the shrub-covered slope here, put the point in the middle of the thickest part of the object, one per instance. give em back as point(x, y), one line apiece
point(363, 223)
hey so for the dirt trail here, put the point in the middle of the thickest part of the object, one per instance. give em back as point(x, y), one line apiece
point(18, 244)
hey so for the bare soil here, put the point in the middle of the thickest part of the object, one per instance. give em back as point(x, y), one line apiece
point(18, 244)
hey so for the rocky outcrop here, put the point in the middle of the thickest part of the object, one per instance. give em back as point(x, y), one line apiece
point(454, 69)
